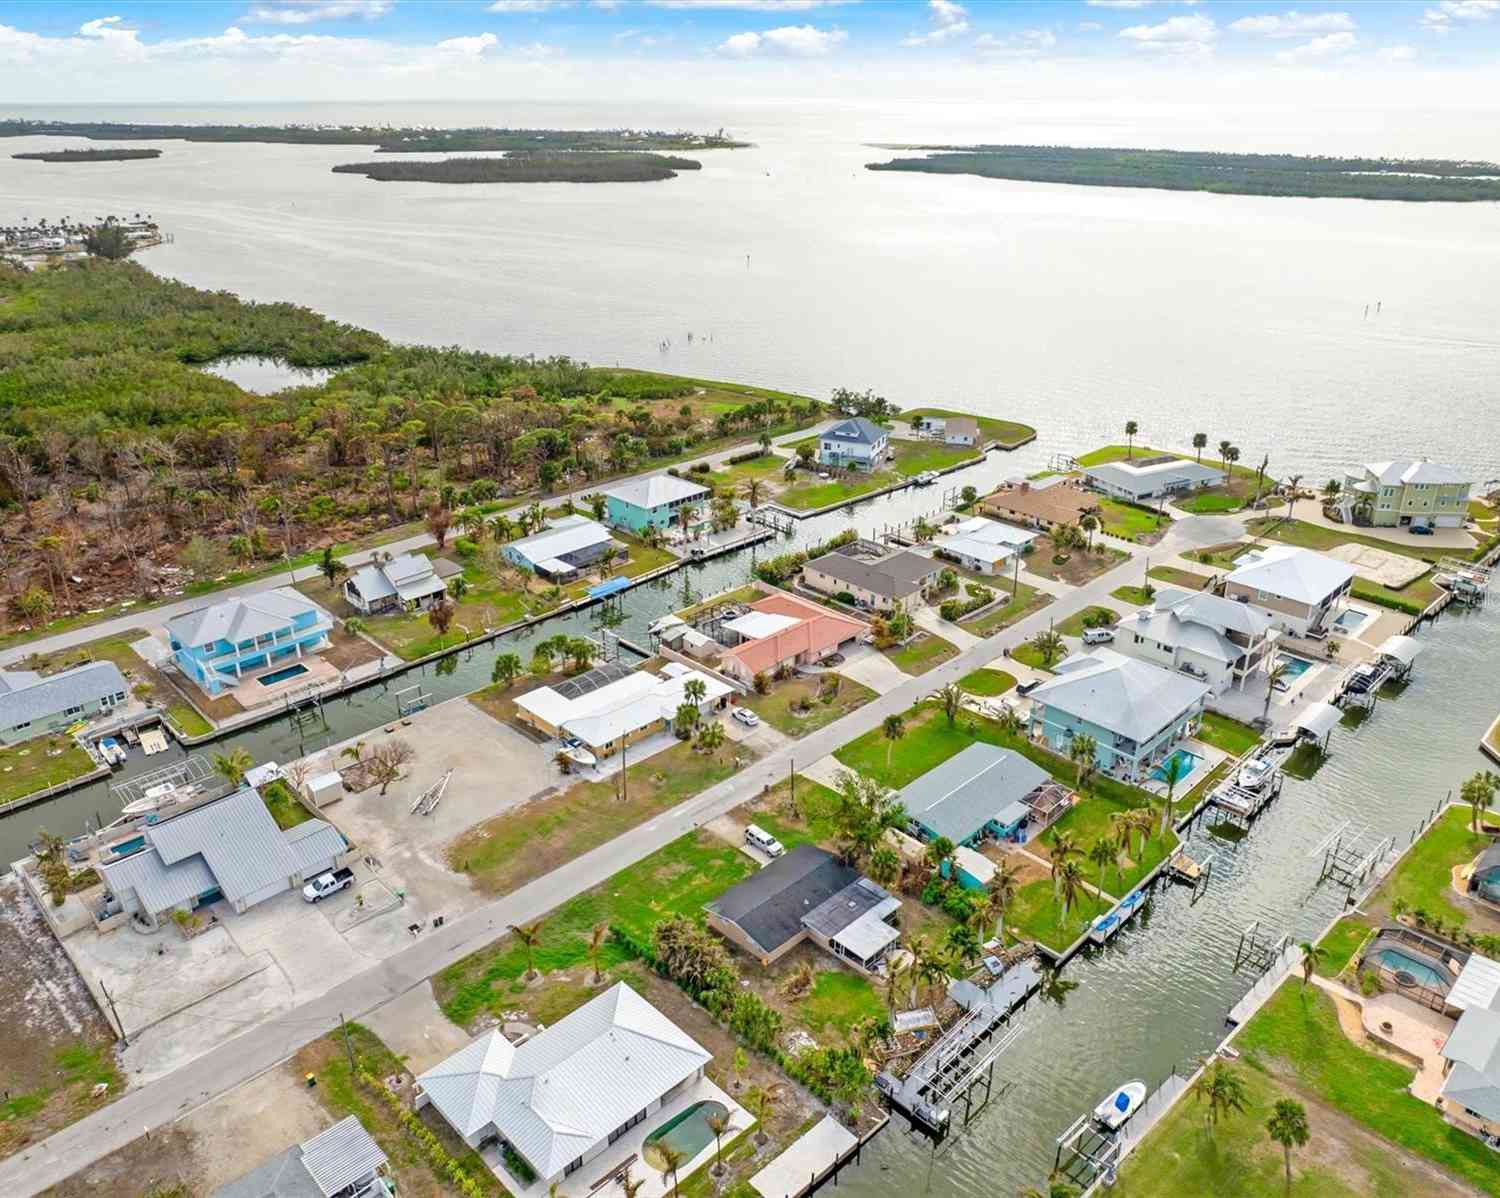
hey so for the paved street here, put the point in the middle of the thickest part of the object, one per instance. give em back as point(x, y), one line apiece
point(245, 1053)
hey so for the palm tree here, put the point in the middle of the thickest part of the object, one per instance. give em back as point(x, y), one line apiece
point(694, 690)
point(671, 1160)
point(1048, 644)
point(1070, 884)
point(1000, 893)
point(964, 944)
point(893, 729)
point(1055, 988)
point(353, 752)
point(1224, 448)
point(1311, 955)
point(530, 937)
point(757, 1102)
point(753, 487)
point(1223, 1090)
point(597, 937)
point(1292, 484)
point(234, 765)
point(1273, 676)
point(1131, 428)
point(1172, 773)
point(1288, 1127)
point(1101, 853)
point(1063, 846)
point(952, 699)
point(631, 1185)
point(1199, 441)
point(718, 1124)
point(506, 669)
point(1083, 752)
point(1478, 791)
point(1089, 522)
point(939, 854)
point(895, 977)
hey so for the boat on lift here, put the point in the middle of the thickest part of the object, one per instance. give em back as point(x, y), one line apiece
point(1115, 1111)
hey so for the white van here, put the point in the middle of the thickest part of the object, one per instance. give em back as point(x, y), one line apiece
point(759, 838)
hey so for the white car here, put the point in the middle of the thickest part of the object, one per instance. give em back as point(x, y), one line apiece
point(745, 716)
point(1098, 636)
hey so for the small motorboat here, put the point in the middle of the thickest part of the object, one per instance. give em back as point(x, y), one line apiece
point(112, 750)
point(575, 751)
point(1255, 773)
point(156, 797)
point(1115, 1111)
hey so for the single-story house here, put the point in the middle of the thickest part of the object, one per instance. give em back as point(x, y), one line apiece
point(613, 705)
point(960, 430)
point(983, 546)
point(32, 704)
point(877, 578)
point(808, 894)
point(229, 849)
point(1470, 1097)
point(1301, 591)
point(342, 1161)
point(854, 444)
point(562, 551)
point(1484, 878)
point(976, 794)
point(1151, 478)
point(652, 502)
point(1396, 494)
point(785, 630)
point(1136, 712)
point(561, 1098)
point(403, 583)
point(1207, 637)
point(1043, 505)
point(218, 645)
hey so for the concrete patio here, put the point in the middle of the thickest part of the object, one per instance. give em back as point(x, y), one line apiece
point(1415, 1031)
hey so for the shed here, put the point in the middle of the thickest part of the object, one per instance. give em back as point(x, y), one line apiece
point(322, 789)
point(974, 869)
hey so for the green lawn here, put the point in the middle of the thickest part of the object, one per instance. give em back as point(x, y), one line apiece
point(676, 880)
point(1077, 622)
point(29, 767)
point(187, 718)
point(778, 710)
point(1423, 878)
point(1315, 536)
point(838, 1001)
point(806, 496)
point(1093, 819)
point(913, 457)
point(767, 467)
point(1023, 601)
point(283, 805)
point(1035, 914)
point(986, 682)
point(1179, 578)
point(1299, 1032)
point(1129, 522)
point(1009, 433)
point(1135, 596)
point(1209, 503)
point(1029, 655)
point(925, 653)
point(814, 822)
point(1341, 943)
point(1227, 734)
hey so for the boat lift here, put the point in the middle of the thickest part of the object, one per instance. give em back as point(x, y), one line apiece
point(185, 776)
point(1466, 581)
point(1348, 859)
point(412, 699)
point(304, 709)
point(1186, 868)
point(1256, 951)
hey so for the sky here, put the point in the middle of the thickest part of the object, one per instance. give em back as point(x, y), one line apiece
point(63, 51)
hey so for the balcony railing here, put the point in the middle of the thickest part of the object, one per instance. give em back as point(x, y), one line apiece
point(277, 640)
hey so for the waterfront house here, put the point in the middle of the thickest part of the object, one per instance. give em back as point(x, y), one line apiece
point(1044, 504)
point(1484, 877)
point(341, 1161)
point(982, 546)
point(612, 706)
point(1136, 712)
point(405, 583)
point(854, 444)
point(1470, 1097)
point(655, 501)
point(1207, 637)
point(1406, 494)
point(876, 578)
point(1146, 479)
point(781, 629)
point(960, 430)
point(220, 645)
point(229, 849)
point(562, 551)
point(1301, 591)
point(979, 793)
point(808, 894)
point(564, 1097)
point(32, 704)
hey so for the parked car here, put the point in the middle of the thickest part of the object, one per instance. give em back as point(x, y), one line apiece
point(1098, 636)
point(1421, 530)
point(761, 839)
point(328, 883)
point(1026, 688)
point(745, 716)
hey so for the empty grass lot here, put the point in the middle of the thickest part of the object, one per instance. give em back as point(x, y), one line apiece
point(1340, 944)
point(1130, 523)
point(1093, 616)
point(510, 850)
point(925, 652)
point(1179, 578)
point(29, 767)
point(780, 711)
point(1023, 601)
point(1135, 596)
point(987, 683)
point(812, 821)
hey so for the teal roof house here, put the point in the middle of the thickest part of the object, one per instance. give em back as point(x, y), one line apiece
point(651, 502)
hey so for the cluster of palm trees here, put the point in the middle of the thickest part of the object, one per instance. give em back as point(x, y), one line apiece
point(562, 648)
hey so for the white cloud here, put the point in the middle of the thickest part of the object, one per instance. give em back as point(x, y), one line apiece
point(949, 20)
point(1396, 53)
point(1029, 43)
point(1192, 35)
point(1119, 3)
point(1295, 24)
point(792, 41)
point(1320, 47)
point(751, 5)
point(308, 12)
point(469, 47)
point(1440, 19)
point(512, 7)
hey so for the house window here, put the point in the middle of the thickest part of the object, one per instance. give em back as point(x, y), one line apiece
point(573, 1167)
point(73, 711)
point(18, 727)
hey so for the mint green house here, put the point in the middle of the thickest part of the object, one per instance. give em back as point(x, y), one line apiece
point(653, 502)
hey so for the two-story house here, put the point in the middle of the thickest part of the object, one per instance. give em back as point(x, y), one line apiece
point(1401, 494)
point(1207, 637)
point(1301, 591)
point(403, 583)
point(656, 501)
point(1136, 712)
point(217, 646)
point(854, 444)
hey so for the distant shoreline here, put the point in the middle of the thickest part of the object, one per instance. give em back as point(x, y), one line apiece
point(574, 166)
point(89, 155)
point(1412, 181)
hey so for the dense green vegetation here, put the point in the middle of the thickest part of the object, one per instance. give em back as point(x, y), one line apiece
point(389, 139)
point(89, 155)
point(1231, 174)
point(567, 167)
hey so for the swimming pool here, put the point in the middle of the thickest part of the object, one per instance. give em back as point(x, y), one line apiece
point(281, 675)
point(688, 1132)
point(1399, 962)
point(1295, 666)
point(1190, 762)
point(1351, 620)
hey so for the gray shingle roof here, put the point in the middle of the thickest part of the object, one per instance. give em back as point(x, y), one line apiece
point(856, 429)
point(769, 906)
point(957, 798)
point(239, 619)
point(27, 696)
point(894, 577)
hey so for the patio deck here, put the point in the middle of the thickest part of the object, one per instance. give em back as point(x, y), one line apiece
point(251, 692)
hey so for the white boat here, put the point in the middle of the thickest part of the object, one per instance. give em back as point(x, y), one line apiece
point(1115, 1111)
point(112, 751)
point(155, 798)
point(1255, 773)
point(576, 752)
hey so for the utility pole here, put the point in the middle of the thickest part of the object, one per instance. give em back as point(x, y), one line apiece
point(348, 1047)
point(120, 1023)
point(791, 780)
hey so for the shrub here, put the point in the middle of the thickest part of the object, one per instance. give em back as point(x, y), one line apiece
point(700, 467)
point(845, 597)
point(465, 548)
point(777, 570)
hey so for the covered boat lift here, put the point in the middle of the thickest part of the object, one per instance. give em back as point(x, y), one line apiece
point(1400, 654)
point(1317, 723)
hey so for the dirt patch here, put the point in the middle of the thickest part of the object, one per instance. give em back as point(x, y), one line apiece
point(1081, 564)
point(345, 650)
point(161, 1160)
point(500, 701)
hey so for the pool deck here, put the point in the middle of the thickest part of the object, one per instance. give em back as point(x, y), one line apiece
point(584, 1182)
point(251, 692)
point(1211, 758)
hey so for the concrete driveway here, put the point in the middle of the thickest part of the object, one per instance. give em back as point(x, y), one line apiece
point(867, 664)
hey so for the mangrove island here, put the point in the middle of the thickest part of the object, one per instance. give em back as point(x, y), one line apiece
point(577, 166)
point(115, 155)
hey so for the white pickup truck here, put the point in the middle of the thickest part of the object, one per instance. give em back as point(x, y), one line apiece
point(328, 883)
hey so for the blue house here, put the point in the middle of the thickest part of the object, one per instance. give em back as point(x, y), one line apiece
point(854, 444)
point(652, 502)
point(976, 794)
point(1136, 712)
point(218, 646)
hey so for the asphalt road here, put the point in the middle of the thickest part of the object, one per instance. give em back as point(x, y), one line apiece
point(248, 1053)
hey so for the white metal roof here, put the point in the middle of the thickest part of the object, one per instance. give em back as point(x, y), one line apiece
point(654, 490)
point(1126, 696)
point(568, 1087)
point(1319, 719)
point(630, 703)
point(1292, 573)
point(1390, 474)
point(1145, 480)
point(1215, 611)
point(993, 531)
point(754, 625)
point(1477, 985)
point(340, 1155)
point(568, 535)
point(869, 934)
point(975, 864)
point(409, 576)
point(240, 619)
point(1403, 648)
point(1169, 629)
